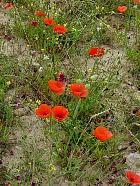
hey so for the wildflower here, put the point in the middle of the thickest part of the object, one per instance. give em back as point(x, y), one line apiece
point(122, 9)
point(102, 133)
point(18, 178)
point(40, 69)
point(9, 5)
point(90, 70)
point(60, 29)
point(98, 28)
point(17, 105)
point(40, 13)
point(61, 77)
point(52, 168)
point(38, 102)
point(46, 57)
point(44, 111)
point(133, 177)
point(96, 52)
point(8, 83)
point(33, 183)
point(56, 86)
point(47, 120)
point(60, 113)
point(33, 119)
point(35, 22)
point(79, 90)
point(49, 21)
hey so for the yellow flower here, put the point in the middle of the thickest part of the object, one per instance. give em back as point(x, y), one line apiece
point(18, 170)
point(56, 14)
point(73, 29)
point(38, 102)
point(90, 70)
point(52, 168)
point(8, 83)
point(47, 120)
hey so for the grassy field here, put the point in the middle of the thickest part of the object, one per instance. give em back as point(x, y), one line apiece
point(70, 93)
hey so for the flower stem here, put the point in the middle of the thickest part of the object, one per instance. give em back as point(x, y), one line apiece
point(76, 109)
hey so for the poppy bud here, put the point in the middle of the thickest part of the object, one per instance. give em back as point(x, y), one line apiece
point(78, 81)
point(94, 77)
point(61, 77)
point(35, 23)
point(87, 86)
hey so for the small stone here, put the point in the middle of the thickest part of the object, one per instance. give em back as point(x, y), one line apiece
point(133, 161)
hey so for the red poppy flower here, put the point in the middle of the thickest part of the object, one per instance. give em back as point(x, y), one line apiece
point(136, 1)
point(96, 52)
point(133, 177)
point(40, 13)
point(60, 113)
point(49, 21)
point(35, 22)
point(44, 111)
point(9, 5)
point(79, 90)
point(102, 133)
point(56, 86)
point(122, 9)
point(60, 29)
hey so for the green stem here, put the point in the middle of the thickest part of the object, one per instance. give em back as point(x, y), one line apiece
point(77, 109)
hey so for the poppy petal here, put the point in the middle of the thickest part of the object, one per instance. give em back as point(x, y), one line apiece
point(40, 13)
point(60, 29)
point(60, 113)
point(122, 9)
point(44, 111)
point(133, 177)
point(102, 133)
point(79, 90)
point(9, 5)
point(49, 21)
point(96, 52)
point(56, 86)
